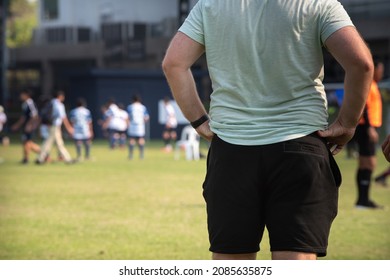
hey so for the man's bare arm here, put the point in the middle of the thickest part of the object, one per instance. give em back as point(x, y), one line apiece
point(182, 53)
point(349, 49)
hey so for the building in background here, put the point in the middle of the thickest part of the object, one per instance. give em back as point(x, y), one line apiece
point(76, 35)
point(111, 48)
point(99, 49)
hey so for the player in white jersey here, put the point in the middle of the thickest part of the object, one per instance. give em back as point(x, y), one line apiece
point(124, 118)
point(169, 133)
point(116, 122)
point(138, 115)
point(81, 120)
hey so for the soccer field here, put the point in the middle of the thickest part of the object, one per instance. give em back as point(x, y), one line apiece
point(114, 209)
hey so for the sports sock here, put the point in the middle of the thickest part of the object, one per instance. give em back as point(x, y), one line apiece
point(141, 151)
point(78, 149)
point(131, 151)
point(384, 174)
point(87, 149)
point(363, 183)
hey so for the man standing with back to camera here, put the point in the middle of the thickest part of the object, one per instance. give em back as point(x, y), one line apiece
point(270, 162)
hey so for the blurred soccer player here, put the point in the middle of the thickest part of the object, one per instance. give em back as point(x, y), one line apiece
point(138, 116)
point(28, 121)
point(367, 139)
point(81, 120)
point(59, 118)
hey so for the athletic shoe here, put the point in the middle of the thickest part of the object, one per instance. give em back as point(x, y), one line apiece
point(72, 161)
point(167, 149)
point(369, 205)
point(37, 162)
point(381, 180)
point(47, 158)
point(24, 161)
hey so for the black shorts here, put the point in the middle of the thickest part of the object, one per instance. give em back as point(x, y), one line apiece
point(289, 187)
point(366, 147)
point(115, 131)
point(137, 138)
point(82, 140)
point(169, 129)
point(27, 136)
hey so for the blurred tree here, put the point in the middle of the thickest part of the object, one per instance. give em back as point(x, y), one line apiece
point(22, 19)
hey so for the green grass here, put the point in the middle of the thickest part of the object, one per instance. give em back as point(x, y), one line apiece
point(113, 208)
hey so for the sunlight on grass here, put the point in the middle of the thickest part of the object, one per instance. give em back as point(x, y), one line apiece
point(114, 208)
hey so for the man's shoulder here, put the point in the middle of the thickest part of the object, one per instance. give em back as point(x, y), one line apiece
point(57, 103)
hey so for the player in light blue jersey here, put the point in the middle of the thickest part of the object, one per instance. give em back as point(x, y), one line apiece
point(116, 122)
point(138, 115)
point(81, 120)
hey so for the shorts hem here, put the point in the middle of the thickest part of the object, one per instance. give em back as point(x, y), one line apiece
point(235, 252)
point(318, 252)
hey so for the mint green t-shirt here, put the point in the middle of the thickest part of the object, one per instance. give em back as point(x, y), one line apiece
point(266, 65)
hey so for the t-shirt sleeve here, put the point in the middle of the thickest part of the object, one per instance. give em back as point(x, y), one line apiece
point(334, 18)
point(193, 25)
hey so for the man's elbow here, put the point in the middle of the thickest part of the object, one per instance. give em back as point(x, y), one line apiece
point(362, 68)
point(367, 66)
point(172, 65)
point(165, 65)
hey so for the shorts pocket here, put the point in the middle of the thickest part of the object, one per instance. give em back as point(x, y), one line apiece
point(335, 170)
point(304, 147)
